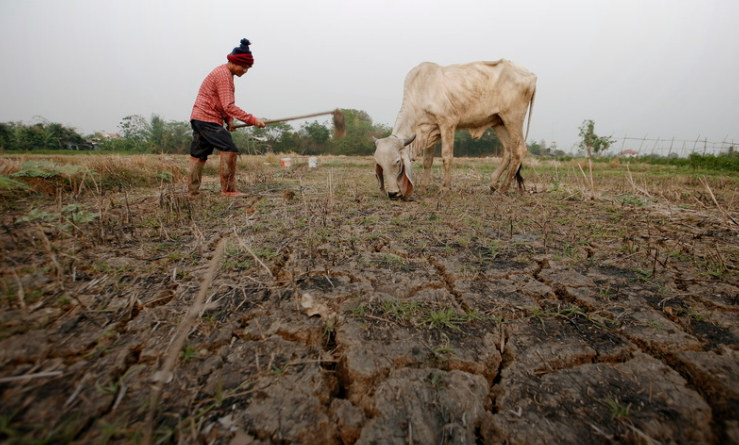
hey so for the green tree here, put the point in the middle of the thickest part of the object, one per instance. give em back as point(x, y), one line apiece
point(314, 138)
point(257, 141)
point(135, 130)
point(535, 148)
point(272, 132)
point(289, 141)
point(591, 142)
point(6, 135)
point(359, 133)
point(134, 127)
point(34, 137)
point(156, 133)
point(179, 137)
point(44, 135)
point(64, 138)
point(168, 137)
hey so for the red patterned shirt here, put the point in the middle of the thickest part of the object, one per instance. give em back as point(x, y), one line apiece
point(215, 102)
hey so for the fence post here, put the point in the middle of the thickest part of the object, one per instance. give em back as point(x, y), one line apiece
point(642, 144)
point(696, 142)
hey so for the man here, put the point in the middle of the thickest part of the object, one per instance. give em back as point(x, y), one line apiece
point(213, 107)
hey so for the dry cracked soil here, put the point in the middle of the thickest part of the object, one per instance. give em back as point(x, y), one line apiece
point(574, 312)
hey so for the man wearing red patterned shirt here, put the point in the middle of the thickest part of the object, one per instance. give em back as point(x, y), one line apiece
point(214, 106)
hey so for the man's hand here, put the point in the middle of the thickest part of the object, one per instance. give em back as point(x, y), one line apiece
point(257, 123)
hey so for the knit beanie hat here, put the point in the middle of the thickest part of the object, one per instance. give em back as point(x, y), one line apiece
point(241, 55)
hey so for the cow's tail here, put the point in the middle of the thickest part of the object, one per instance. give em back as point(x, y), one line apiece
point(519, 179)
point(531, 109)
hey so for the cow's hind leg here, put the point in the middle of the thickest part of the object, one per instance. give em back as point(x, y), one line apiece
point(518, 151)
point(502, 133)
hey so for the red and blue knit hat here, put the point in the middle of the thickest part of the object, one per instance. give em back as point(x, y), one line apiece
point(241, 55)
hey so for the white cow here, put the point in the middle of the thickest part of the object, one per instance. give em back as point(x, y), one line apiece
point(438, 100)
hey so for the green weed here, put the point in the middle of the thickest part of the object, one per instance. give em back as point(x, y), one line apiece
point(7, 427)
point(444, 350)
point(401, 311)
point(642, 274)
point(448, 318)
point(696, 315)
point(188, 354)
point(631, 200)
point(656, 325)
point(110, 388)
point(444, 318)
point(605, 293)
point(538, 314)
point(165, 176)
point(391, 261)
point(329, 330)
point(360, 310)
point(618, 410)
point(436, 379)
point(7, 183)
point(279, 370)
point(46, 169)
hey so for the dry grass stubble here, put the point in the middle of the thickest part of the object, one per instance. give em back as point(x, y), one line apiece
point(596, 303)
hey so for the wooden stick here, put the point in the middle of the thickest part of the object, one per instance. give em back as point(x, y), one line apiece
point(713, 197)
point(284, 119)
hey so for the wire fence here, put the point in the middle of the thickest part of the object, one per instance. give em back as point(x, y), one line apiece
point(671, 147)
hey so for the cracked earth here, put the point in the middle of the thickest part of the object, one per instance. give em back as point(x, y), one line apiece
point(570, 313)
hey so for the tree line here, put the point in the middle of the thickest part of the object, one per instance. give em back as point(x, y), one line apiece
point(17, 136)
point(155, 135)
point(138, 134)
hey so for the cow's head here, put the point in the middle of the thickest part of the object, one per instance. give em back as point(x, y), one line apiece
point(392, 157)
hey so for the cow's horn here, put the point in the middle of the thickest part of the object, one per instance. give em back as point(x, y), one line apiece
point(409, 140)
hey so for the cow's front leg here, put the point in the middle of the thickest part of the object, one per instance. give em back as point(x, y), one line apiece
point(447, 154)
point(428, 162)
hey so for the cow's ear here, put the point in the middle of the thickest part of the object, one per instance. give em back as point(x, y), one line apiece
point(380, 177)
point(405, 179)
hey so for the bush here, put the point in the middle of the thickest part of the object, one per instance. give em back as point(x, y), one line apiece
point(698, 162)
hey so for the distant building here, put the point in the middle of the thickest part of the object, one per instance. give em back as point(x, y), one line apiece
point(95, 142)
point(109, 136)
point(629, 154)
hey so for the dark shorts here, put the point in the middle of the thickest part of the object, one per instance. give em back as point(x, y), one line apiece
point(206, 136)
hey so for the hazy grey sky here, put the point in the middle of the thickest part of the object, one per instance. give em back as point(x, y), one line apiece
point(654, 68)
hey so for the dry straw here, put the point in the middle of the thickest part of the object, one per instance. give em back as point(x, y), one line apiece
point(166, 373)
